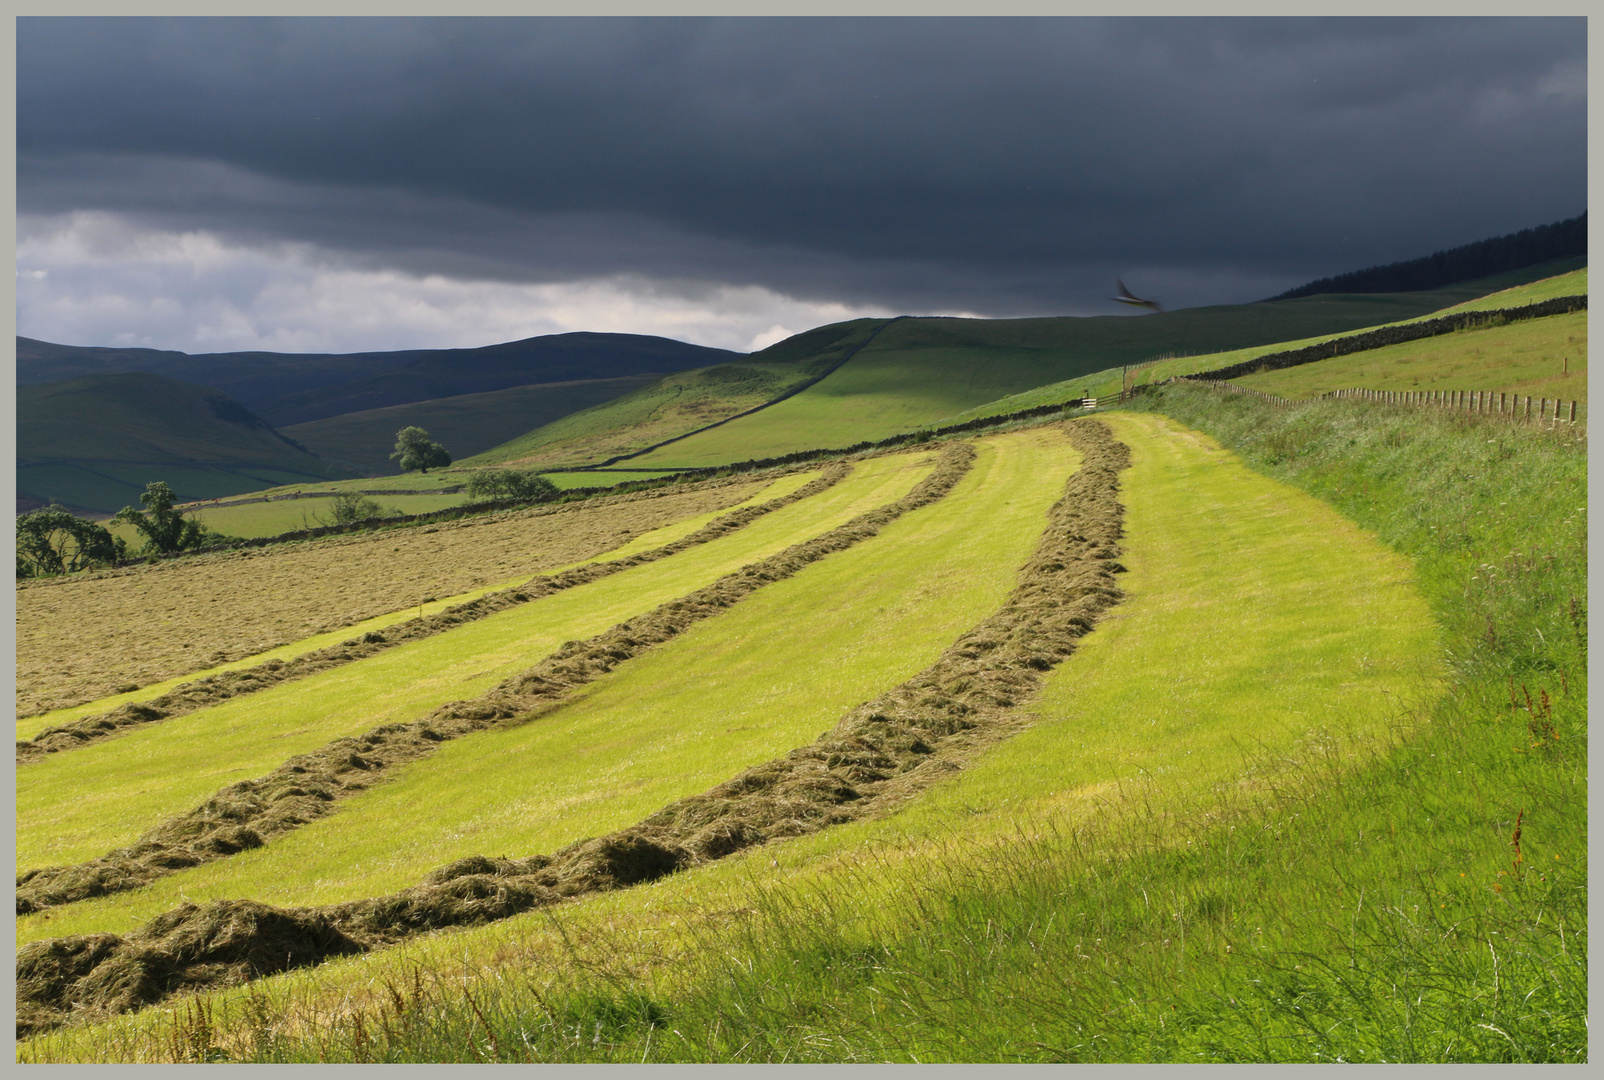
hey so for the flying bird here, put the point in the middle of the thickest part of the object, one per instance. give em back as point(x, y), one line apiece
point(1125, 297)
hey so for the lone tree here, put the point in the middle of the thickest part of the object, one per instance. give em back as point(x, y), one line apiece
point(495, 485)
point(415, 450)
point(166, 530)
point(53, 541)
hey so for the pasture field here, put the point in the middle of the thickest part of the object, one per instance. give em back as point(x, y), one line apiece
point(75, 805)
point(882, 391)
point(282, 516)
point(1365, 908)
point(197, 613)
point(860, 943)
point(669, 407)
point(465, 425)
point(1106, 382)
point(1526, 358)
point(28, 727)
point(677, 719)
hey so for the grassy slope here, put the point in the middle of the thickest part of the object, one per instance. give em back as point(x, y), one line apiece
point(94, 442)
point(1106, 382)
point(465, 425)
point(815, 982)
point(683, 403)
point(921, 371)
point(667, 534)
point(1527, 358)
point(80, 804)
point(683, 717)
point(1363, 916)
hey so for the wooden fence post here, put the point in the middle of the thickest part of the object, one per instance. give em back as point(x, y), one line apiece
point(1573, 412)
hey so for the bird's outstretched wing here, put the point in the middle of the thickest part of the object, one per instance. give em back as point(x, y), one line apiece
point(1125, 297)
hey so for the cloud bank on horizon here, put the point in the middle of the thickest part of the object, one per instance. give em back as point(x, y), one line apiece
point(353, 184)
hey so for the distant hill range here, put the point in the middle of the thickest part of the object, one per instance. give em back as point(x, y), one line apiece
point(296, 388)
point(94, 442)
point(96, 424)
point(1562, 240)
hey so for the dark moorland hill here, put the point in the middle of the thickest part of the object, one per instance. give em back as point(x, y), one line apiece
point(93, 443)
point(296, 388)
point(1563, 240)
point(465, 424)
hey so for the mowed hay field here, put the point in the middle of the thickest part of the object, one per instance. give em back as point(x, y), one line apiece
point(82, 803)
point(734, 691)
point(90, 636)
point(1540, 358)
point(821, 947)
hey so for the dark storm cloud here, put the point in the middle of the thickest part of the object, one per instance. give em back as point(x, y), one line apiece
point(1004, 166)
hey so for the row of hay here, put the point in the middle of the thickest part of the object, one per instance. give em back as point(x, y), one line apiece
point(246, 814)
point(99, 974)
point(879, 754)
point(217, 688)
point(88, 636)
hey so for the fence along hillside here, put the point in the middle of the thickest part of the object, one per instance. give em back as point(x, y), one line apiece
point(1492, 404)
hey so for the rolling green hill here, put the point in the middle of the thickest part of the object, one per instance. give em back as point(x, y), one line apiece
point(684, 403)
point(918, 371)
point(1107, 382)
point(94, 442)
point(466, 425)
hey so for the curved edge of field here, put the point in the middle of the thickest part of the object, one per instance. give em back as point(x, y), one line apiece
point(784, 486)
point(1017, 784)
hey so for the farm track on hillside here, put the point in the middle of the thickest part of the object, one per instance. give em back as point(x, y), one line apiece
point(878, 755)
point(245, 814)
point(198, 612)
point(216, 688)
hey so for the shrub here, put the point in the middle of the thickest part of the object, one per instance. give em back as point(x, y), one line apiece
point(495, 485)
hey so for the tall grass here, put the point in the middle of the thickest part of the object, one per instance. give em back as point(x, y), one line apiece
point(1428, 904)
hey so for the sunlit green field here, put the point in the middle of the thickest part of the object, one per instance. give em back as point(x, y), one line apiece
point(79, 804)
point(880, 392)
point(1105, 383)
point(30, 726)
point(1542, 358)
point(730, 693)
point(1231, 575)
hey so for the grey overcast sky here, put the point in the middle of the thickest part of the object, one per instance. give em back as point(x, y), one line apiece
point(345, 184)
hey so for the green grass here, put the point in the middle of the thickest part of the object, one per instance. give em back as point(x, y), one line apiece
point(1527, 358)
point(273, 518)
point(1363, 910)
point(28, 727)
point(606, 478)
point(137, 428)
point(678, 720)
point(927, 371)
point(1106, 382)
point(882, 391)
point(920, 936)
point(76, 805)
point(667, 408)
point(465, 425)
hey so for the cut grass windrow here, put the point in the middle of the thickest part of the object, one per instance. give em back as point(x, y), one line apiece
point(215, 688)
point(878, 755)
point(245, 814)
